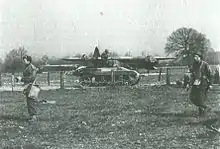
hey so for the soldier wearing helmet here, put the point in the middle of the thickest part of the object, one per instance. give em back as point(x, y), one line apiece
point(29, 76)
point(200, 82)
point(104, 57)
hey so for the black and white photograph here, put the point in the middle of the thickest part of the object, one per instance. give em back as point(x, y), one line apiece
point(109, 74)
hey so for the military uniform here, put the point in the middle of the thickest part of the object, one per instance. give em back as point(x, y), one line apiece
point(29, 75)
point(104, 58)
point(200, 82)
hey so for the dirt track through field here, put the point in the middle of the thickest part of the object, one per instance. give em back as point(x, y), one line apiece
point(120, 117)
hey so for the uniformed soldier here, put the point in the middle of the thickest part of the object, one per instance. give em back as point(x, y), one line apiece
point(104, 57)
point(200, 82)
point(29, 76)
point(186, 78)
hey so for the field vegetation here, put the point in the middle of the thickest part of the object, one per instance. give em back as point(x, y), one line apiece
point(158, 116)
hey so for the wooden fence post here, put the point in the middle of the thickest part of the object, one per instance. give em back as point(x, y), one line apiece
point(160, 72)
point(62, 80)
point(113, 75)
point(48, 78)
point(0, 79)
point(12, 82)
point(168, 76)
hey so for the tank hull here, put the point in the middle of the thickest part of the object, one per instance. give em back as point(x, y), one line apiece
point(116, 76)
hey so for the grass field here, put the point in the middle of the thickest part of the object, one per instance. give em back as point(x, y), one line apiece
point(142, 116)
point(150, 117)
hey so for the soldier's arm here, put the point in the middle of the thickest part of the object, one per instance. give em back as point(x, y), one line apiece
point(192, 75)
point(192, 78)
point(208, 73)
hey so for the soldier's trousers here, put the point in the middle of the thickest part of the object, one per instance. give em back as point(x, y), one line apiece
point(32, 106)
point(198, 96)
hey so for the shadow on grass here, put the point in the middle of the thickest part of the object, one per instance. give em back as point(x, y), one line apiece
point(177, 114)
point(191, 118)
point(26, 146)
point(14, 118)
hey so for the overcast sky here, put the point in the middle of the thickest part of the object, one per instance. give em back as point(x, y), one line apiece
point(65, 27)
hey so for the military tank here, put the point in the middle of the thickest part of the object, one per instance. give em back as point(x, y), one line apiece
point(106, 76)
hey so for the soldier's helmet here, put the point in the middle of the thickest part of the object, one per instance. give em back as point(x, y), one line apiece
point(27, 57)
point(84, 57)
point(200, 54)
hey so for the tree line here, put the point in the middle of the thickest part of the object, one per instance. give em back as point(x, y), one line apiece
point(13, 61)
point(184, 42)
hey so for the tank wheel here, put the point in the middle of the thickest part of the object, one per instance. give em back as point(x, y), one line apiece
point(86, 81)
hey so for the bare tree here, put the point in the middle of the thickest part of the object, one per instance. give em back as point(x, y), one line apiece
point(1, 65)
point(113, 54)
point(13, 60)
point(90, 55)
point(185, 41)
point(143, 53)
point(44, 59)
point(128, 53)
point(78, 55)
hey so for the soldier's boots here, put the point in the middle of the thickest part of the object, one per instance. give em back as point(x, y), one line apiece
point(202, 112)
point(33, 118)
